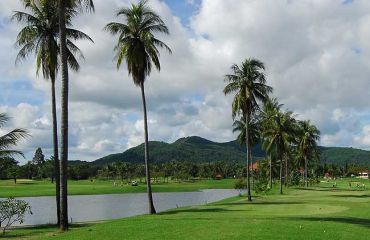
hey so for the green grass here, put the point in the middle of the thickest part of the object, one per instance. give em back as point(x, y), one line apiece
point(29, 188)
point(321, 212)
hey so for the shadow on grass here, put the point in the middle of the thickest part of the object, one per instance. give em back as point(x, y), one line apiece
point(364, 222)
point(327, 189)
point(31, 231)
point(353, 196)
point(258, 203)
point(200, 210)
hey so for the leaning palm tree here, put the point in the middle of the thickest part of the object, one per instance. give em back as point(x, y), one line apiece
point(10, 139)
point(138, 46)
point(278, 136)
point(40, 36)
point(307, 143)
point(65, 8)
point(248, 82)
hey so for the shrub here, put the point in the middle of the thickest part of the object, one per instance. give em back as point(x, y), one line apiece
point(240, 184)
point(11, 211)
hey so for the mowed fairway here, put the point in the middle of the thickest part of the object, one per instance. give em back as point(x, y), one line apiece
point(29, 188)
point(321, 212)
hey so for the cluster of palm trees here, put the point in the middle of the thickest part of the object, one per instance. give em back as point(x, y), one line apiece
point(48, 33)
point(262, 120)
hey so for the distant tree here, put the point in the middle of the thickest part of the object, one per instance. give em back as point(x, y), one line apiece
point(13, 172)
point(48, 169)
point(6, 163)
point(38, 158)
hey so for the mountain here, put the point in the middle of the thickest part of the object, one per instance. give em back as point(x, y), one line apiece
point(192, 149)
point(342, 155)
point(200, 150)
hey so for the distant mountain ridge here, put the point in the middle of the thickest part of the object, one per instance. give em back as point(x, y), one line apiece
point(201, 150)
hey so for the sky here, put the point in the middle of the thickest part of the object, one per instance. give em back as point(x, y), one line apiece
point(317, 57)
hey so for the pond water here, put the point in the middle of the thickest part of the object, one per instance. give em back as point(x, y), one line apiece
point(111, 206)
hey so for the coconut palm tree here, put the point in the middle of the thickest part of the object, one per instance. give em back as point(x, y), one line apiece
point(138, 46)
point(248, 82)
point(307, 143)
point(254, 135)
point(10, 139)
point(40, 36)
point(270, 107)
point(65, 9)
point(278, 136)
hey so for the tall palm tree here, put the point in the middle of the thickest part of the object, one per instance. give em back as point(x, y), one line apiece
point(278, 136)
point(307, 143)
point(138, 45)
point(248, 82)
point(270, 107)
point(10, 139)
point(65, 9)
point(40, 36)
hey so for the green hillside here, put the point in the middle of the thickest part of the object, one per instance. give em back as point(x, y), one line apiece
point(343, 155)
point(193, 149)
point(200, 150)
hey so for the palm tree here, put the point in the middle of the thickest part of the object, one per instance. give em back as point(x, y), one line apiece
point(269, 109)
point(138, 45)
point(10, 139)
point(278, 136)
point(40, 36)
point(307, 143)
point(66, 8)
point(248, 82)
point(254, 135)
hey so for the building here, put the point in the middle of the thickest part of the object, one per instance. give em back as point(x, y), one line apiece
point(363, 175)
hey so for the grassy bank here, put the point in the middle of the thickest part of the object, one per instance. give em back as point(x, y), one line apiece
point(29, 188)
point(321, 212)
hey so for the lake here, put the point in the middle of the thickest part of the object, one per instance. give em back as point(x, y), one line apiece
point(84, 208)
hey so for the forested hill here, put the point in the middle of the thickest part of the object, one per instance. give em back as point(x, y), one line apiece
point(193, 149)
point(200, 150)
point(345, 155)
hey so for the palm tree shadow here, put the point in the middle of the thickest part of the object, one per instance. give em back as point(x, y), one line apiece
point(327, 189)
point(350, 220)
point(353, 196)
point(201, 210)
point(259, 203)
point(38, 230)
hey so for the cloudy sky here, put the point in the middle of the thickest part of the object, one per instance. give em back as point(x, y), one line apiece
point(317, 55)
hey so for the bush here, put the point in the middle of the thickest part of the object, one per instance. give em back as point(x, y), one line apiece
point(11, 211)
point(240, 184)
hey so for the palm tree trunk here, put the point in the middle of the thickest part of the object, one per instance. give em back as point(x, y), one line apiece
point(55, 146)
point(270, 172)
point(281, 174)
point(252, 172)
point(146, 153)
point(64, 122)
point(248, 149)
point(286, 171)
point(305, 172)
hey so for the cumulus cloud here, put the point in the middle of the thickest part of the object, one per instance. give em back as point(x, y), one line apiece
point(316, 52)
